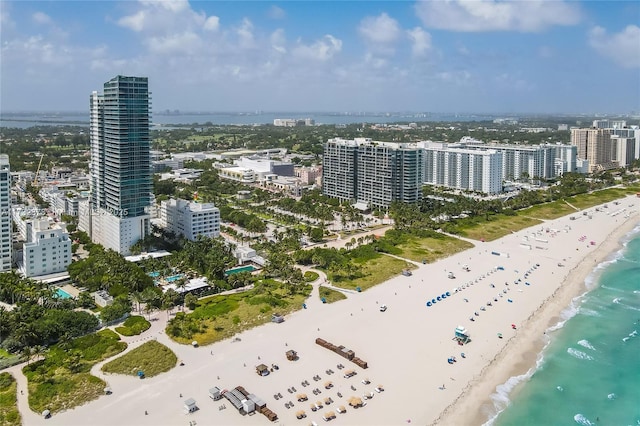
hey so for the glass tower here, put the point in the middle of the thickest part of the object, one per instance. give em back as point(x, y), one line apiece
point(120, 143)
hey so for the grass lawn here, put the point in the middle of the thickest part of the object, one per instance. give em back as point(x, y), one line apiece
point(584, 201)
point(221, 316)
point(552, 210)
point(310, 276)
point(497, 226)
point(152, 357)
point(431, 249)
point(9, 414)
point(331, 295)
point(133, 326)
point(374, 271)
point(62, 380)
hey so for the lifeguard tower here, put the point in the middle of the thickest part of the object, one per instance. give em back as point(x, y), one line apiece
point(462, 335)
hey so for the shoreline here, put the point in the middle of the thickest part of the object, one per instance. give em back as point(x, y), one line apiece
point(407, 346)
point(526, 349)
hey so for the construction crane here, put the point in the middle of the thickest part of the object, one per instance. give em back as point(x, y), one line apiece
point(35, 181)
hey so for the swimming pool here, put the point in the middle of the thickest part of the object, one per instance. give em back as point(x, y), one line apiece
point(248, 268)
point(154, 274)
point(63, 294)
point(173, 278)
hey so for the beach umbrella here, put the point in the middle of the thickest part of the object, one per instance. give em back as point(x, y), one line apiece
point(429, 303)
point(46, 414)
point(448, 294)
point(433, 300)
point(444, 296)
point(438, 298)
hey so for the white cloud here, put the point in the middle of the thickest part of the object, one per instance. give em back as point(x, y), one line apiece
point(185, 43)
point(623, 47)
point(134, 22)
point(245, 34)
point(212, 23)
point(496, 15)
point(278, 41)
point(421, 41)
point(379, 29)
point(276, 13)
point(41, 18)
point(322, 50)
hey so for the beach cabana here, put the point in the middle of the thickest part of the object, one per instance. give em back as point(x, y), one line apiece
point(341, 409)
point(190, 405)
point(328, 385)
point(301, 414)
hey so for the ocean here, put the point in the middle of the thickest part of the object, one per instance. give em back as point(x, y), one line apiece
point(589, 372)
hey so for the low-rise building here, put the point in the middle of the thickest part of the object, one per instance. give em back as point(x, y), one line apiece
point(47, 249)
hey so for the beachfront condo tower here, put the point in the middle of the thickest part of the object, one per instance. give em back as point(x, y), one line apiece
point(373, 174)
point(120, 170)
point(5, 214)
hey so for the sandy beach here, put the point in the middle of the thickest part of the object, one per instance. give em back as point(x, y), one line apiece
point(406, 346)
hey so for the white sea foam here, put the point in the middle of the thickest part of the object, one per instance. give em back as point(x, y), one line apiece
point(560, 388)
point(589, 312)
point(582, 420)
point(616, 300)
point(624, 305)
point(579, 354)
point(612, 396)
point(501, 399)
point(585, 344)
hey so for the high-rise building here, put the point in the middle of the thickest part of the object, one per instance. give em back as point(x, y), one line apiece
point(120, 163)
point(5, 214)
point(372, 173)
point(594, 146)
point(458, 167)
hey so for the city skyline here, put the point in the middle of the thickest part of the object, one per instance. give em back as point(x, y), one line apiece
point(445, 56)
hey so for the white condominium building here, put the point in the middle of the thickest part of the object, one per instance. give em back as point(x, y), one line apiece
point(47, 249)
point(522, 161)
point(5, 214)
point(190, 219)
point(461, 168)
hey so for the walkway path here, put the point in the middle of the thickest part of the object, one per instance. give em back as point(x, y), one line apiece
point(571, 205)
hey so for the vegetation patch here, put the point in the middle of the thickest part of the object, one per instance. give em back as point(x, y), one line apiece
point(330, 295)
point(133, 326)
point(493, 227)
point(425, 248)
point(222, 316)
point(310, 276)
point(9, 414)
point(585, 201)
point(548, 211)
point(62, 380)
point(368, 273)
point(152, 358)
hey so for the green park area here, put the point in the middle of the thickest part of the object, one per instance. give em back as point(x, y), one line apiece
point(218, 317)
point(133, 326)
point(330, 295)
point(152, 358)
point(62, 380)
point(9, 414)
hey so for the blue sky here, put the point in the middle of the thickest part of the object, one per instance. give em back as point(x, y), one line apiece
point(537, 56)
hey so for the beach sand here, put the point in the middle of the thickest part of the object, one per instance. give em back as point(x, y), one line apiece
point(406, 347)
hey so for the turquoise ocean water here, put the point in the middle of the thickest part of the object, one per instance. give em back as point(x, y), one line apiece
point(589, 373)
